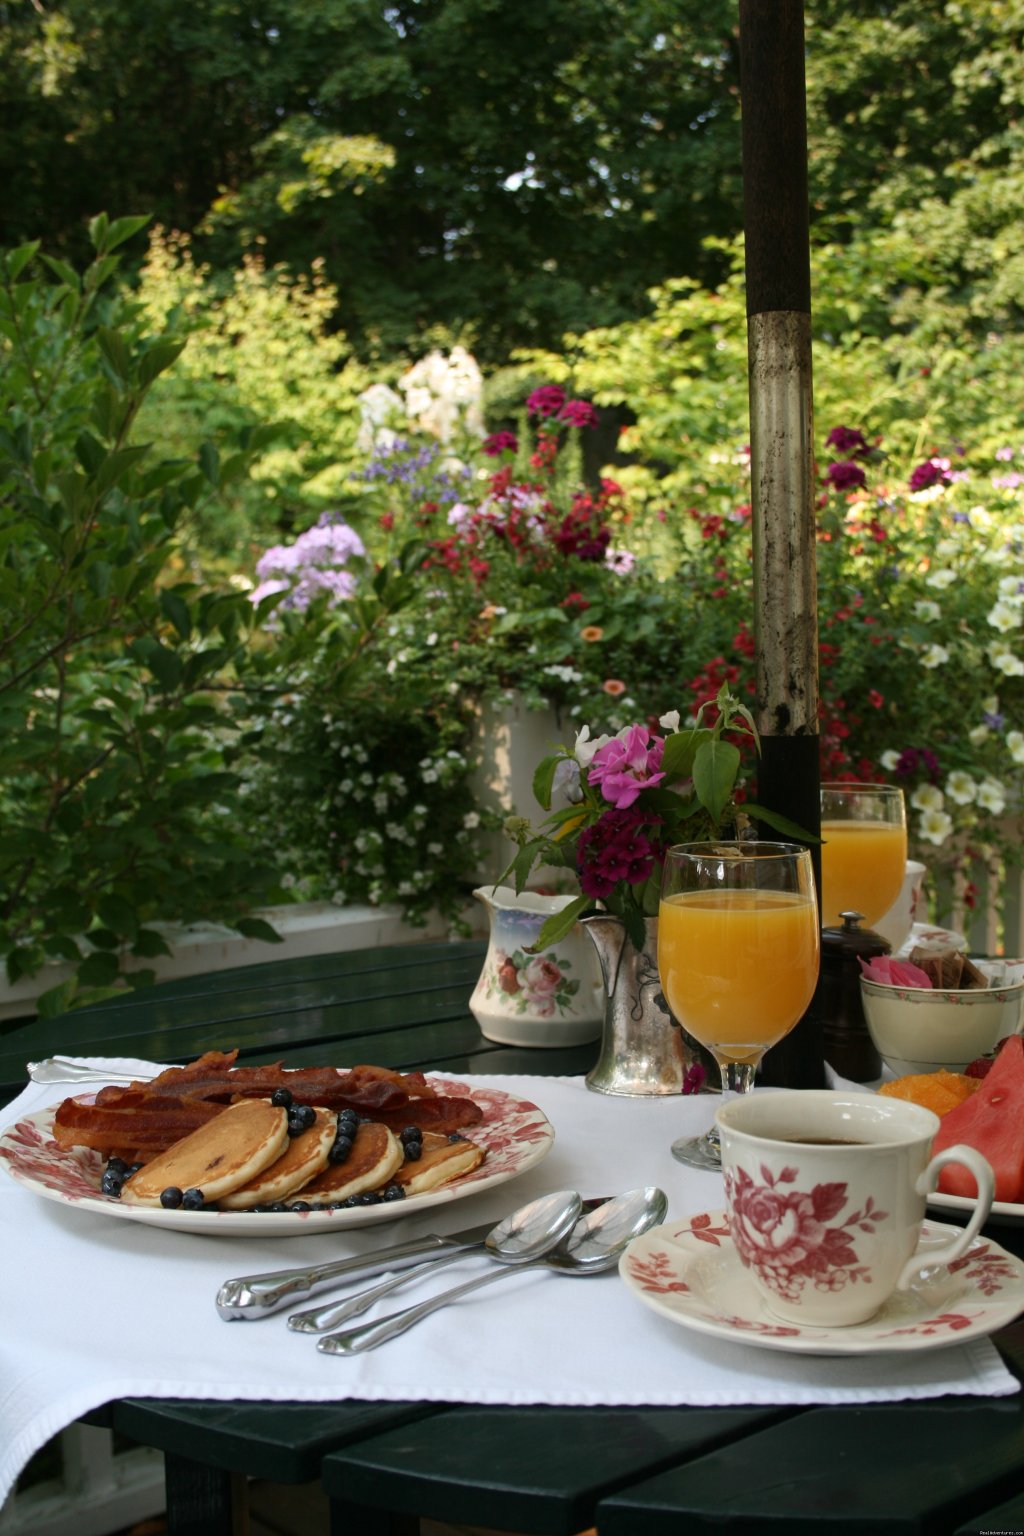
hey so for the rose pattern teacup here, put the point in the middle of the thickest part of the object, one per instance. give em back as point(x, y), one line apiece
point(826, 1196)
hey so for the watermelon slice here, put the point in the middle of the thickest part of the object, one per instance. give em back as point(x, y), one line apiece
point(992, 1121)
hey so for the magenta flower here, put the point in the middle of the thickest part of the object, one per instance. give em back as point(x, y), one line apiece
point(931, 472)
point(615, 848)
point(626, 765)
point(845, 475)
point(847, 441)
point(578, 414)
point(500, 442)
point(546, 401)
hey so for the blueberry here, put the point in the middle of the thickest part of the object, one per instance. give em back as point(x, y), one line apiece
point(346, 1205)
point(341, 1150)
point(277, 1207)
point(300, 1205)
point(111, 1183)
point(295, 1125)
point(117, 1165)
point(413, 1151)
point(394, 1192)
point(410, 1133)
point(133, 1169)
point(171, 1197)
point(193, 1200)
point(370, 1197)
point(281, 1098)
point(456, 1136)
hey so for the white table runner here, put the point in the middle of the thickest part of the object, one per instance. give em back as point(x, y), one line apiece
point(96, 1309)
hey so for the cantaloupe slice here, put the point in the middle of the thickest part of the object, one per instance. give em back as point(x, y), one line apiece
point(992, 1121)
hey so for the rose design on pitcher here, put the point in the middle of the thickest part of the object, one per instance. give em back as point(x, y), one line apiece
point(537, 984)
point(786, 1237)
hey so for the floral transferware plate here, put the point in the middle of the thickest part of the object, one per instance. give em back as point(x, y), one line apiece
point(690, 1272)
point(515, 1133)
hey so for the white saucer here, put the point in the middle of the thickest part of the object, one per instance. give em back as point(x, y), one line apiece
point(689, 1272)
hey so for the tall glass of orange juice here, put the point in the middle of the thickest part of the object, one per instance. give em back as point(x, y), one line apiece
point(863, 850)
point(738, 952)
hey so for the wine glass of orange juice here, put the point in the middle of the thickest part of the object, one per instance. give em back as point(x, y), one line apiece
point(738, 950)
point(863, 850)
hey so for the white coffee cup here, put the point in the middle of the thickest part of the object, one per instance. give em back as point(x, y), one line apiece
point(825, 1194)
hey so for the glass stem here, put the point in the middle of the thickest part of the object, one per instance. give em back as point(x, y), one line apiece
point(738, 1076)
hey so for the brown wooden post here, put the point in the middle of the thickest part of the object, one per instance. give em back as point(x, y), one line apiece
point(778, 282)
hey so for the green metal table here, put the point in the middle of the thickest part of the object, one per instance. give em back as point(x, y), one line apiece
point(952, 1465)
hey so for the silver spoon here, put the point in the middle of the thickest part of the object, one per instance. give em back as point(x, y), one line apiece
point(59, 1069)
point(594, 1245)
point(503, 1243)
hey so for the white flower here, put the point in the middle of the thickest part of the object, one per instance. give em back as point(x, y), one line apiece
point(1015, 743)
point(927, 610)
point(435, 848)
point(979, 734)
point(961, 787)
point(380, 802)
point(1004, 660)
point(584, 749)
point(934, 656)
point(935, 826)
point(940, 579)
point(669, 721)
point(471, 820)
point(1004, 617)
point(1011, 589)
point(927, 797)
point(992, 796)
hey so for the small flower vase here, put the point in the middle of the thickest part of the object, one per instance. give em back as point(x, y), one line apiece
point(552, 998)
point(643, 1050)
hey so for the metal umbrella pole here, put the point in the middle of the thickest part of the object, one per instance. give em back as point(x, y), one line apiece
point(778, 287)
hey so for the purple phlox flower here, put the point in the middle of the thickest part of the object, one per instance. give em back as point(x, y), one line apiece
point(500, 442)
point(848, 442)
point(932, 472)
point(626, 765)
point(614, 849)
point(578, 413)
point(994, 721)
point(312, 565)
point(546, 401)
point(962, 517)
point(1006, 454)
point(1008, 482)
point(913, 759)
point(845, 475)
point(620, 560)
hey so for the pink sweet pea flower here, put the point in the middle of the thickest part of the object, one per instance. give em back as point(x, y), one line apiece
point(626, 765)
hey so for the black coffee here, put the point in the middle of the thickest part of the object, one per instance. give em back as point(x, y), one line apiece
point(823, 1141)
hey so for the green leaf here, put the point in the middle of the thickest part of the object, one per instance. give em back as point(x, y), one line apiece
point(544, 777)
point(209, 463)
point(157, 359)
point(119, 915)
point(18, 259)
point(559, 924)
point(778, 823)
point(174, 607)
point(715, 768)
point(680, 751)
point(257, 928)
point(60, 269)
point(115, 350)
point(57, 1000)
point(98, 970)
point(149, 943)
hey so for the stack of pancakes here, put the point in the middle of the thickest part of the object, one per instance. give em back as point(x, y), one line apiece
point(244, 1159)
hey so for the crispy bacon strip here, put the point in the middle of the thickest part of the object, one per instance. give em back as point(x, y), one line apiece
point(149, 1117)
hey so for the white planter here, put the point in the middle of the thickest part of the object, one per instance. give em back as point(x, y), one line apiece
point(306, 928)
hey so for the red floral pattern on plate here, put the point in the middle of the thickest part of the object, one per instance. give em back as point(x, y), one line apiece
point(785, 1237)
point(704, 1286)
point(515, 1132)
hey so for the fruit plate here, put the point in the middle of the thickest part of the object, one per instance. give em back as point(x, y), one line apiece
point(689, 1272)
point(514, 1132)
point(1003, 1213)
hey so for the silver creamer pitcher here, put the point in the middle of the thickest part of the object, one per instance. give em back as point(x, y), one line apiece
point(643, 1050)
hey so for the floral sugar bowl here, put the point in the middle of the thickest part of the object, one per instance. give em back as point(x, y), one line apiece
point(552, 998)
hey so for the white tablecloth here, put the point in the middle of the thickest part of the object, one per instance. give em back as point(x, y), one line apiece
point(95, 1309)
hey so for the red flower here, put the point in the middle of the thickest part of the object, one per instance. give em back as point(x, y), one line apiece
point(546, 401)
point(500, 442)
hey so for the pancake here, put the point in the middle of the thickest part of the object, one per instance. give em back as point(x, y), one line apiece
point(219, 1157)
point(440, 1162)
point(302, 1159)
point(375, 1157)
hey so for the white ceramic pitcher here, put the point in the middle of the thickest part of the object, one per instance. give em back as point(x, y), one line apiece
point(552, 998)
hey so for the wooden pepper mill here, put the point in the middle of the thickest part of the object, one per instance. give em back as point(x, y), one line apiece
point(848, 1045)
